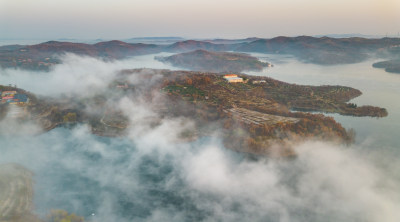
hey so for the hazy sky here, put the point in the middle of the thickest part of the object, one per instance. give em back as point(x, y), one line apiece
point(118, 19)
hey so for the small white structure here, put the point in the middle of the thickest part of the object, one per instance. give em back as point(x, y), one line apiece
point(259, 81)
point(232, 78)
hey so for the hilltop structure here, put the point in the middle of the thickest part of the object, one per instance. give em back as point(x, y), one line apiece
point(13, 97)
point(233, 78)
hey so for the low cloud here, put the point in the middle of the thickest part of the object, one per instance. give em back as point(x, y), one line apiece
point(152, 175)
point(76, 75)
point(149, 177)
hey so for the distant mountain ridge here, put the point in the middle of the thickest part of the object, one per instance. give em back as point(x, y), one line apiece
point(350, 35)
point(324, 50)
point(190, 45)
point(158, 38)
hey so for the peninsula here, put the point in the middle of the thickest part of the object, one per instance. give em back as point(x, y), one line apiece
point(203, 60)
point(254, 113)
point(392, 66)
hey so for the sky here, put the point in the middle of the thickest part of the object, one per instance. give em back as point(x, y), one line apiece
point(120, 19)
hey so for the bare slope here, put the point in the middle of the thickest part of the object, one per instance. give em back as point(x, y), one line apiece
point(16, 194)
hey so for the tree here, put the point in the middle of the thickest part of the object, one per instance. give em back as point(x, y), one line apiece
point(207, 80)
point(69, 117)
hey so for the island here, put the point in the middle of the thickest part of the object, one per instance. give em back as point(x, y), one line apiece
point(392, 66)
point(252, 113)
point(203, 60)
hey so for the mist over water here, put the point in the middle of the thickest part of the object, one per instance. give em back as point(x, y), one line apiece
point(150, 175)
point(79, 75)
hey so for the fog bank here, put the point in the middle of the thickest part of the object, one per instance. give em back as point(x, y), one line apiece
point(152, 175)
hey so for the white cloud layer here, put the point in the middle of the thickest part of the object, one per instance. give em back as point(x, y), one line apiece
point(150, 175)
